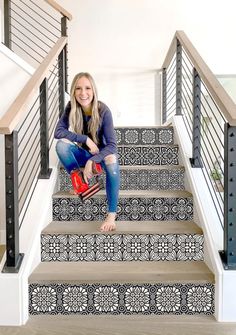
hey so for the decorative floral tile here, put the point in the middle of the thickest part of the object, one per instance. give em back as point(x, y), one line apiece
point(144, 136)
point(129, 209)
point(121, 299)
point(148, 155)
point(121, 247)
point(136, 179)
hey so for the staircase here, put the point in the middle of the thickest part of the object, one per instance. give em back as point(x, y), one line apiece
point(152, 264)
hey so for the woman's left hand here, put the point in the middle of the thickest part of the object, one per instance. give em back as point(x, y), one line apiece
point(88, 173)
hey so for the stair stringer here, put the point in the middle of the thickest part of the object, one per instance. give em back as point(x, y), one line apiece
point(14, 287)
point(206, 217)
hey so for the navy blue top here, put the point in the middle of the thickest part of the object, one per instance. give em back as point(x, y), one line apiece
point(105, 133)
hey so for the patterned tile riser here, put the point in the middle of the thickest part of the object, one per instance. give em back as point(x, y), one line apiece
point(129, 209)
point(121, 247)
point(144, 136)
point(148, 155)
point(139, 180)
point(122, 299)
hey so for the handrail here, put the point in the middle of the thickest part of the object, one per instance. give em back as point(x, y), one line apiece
point(16, 111)
point(209, 117)
point(223, 100)
point(59, 9)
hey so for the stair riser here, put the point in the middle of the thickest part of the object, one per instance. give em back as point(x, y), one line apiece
point(163, 179)
point(121, 247)
point(144, 136)
point(148, 155)
point(117, 299)
point(129, 209)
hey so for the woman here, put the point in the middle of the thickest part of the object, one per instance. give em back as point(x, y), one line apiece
point(86, 135)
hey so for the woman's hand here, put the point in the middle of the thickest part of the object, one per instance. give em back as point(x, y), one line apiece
point(88, 173)
point(93, 148)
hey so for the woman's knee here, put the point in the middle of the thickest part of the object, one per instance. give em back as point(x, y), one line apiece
point(63, 145)
point(111, 163)
point(110, 159)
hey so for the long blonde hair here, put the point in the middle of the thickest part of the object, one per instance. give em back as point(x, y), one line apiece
point(76, 113)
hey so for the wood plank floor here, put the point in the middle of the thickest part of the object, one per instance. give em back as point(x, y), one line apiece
point(2, 250)
point(122, 325)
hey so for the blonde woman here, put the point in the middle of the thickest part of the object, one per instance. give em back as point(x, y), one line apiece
point(88, 123)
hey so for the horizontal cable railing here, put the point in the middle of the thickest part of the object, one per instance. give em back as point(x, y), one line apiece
point(209, 116)
point(29, 123)
point(33, 32)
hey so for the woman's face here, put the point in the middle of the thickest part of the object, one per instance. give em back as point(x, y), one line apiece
point(84, 93)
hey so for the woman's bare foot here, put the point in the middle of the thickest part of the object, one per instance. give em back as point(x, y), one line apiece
point(72, 192)
point(109, 224)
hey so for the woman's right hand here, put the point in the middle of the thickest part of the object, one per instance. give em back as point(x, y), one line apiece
point(93, 148)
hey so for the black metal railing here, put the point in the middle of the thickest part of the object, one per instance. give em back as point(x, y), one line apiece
point(187, 93)
point(30, 30)
point(27, 147)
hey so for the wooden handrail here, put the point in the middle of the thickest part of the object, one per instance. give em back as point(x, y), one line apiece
point(59, 9)
point(18, 108)
point(222, 99)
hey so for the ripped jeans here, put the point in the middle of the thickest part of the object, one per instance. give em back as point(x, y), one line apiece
point(73, 157)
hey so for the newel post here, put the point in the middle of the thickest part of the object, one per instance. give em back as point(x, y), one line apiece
point(228, 255)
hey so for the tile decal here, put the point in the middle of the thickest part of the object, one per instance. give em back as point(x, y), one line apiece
point(144, 136)
point(137, 146)
point(148, 155)
point(140, 179)
point(121, 247)
point(121, 299)
point(129, 209)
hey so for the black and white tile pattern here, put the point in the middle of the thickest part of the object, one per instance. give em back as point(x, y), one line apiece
point(148, 155)
point(140, 179)
point(129, 209)
point(136, 146)
point(144, 136)
point(121, 299)
point(121, 247)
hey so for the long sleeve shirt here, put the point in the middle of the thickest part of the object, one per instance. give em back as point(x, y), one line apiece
point(105, 133)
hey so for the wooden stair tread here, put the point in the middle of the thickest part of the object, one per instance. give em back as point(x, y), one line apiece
point(2, 251)
point(134, 193)
point(135, 227)
point(122, 272)
point(147, 167)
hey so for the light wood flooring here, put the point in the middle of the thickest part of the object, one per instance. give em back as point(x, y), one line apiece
point(122, 325)
point(2, 250)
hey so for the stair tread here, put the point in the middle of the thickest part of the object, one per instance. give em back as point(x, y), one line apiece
point(2, 251)
point(147, 167)
point(140, 227)
point(134, 146)
point(122, 272)
point(144, 127)
point(134, 193)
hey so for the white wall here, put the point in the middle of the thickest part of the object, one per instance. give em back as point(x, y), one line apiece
point(114, 39)
point(125, 34)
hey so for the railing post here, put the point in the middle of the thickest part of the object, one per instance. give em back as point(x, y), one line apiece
point(45, 172)
point(196, 161)
point(62, 69)
point(178, 79)
point(13, 257)
point(229, 254)
point(7, 23)
point(64, 33)
point(164, 116)
point(61, 83)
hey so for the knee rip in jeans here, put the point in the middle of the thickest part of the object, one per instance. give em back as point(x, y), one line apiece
point(110, 159)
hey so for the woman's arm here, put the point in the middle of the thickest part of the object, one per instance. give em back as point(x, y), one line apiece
point(109, 136)
point(62, 127)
